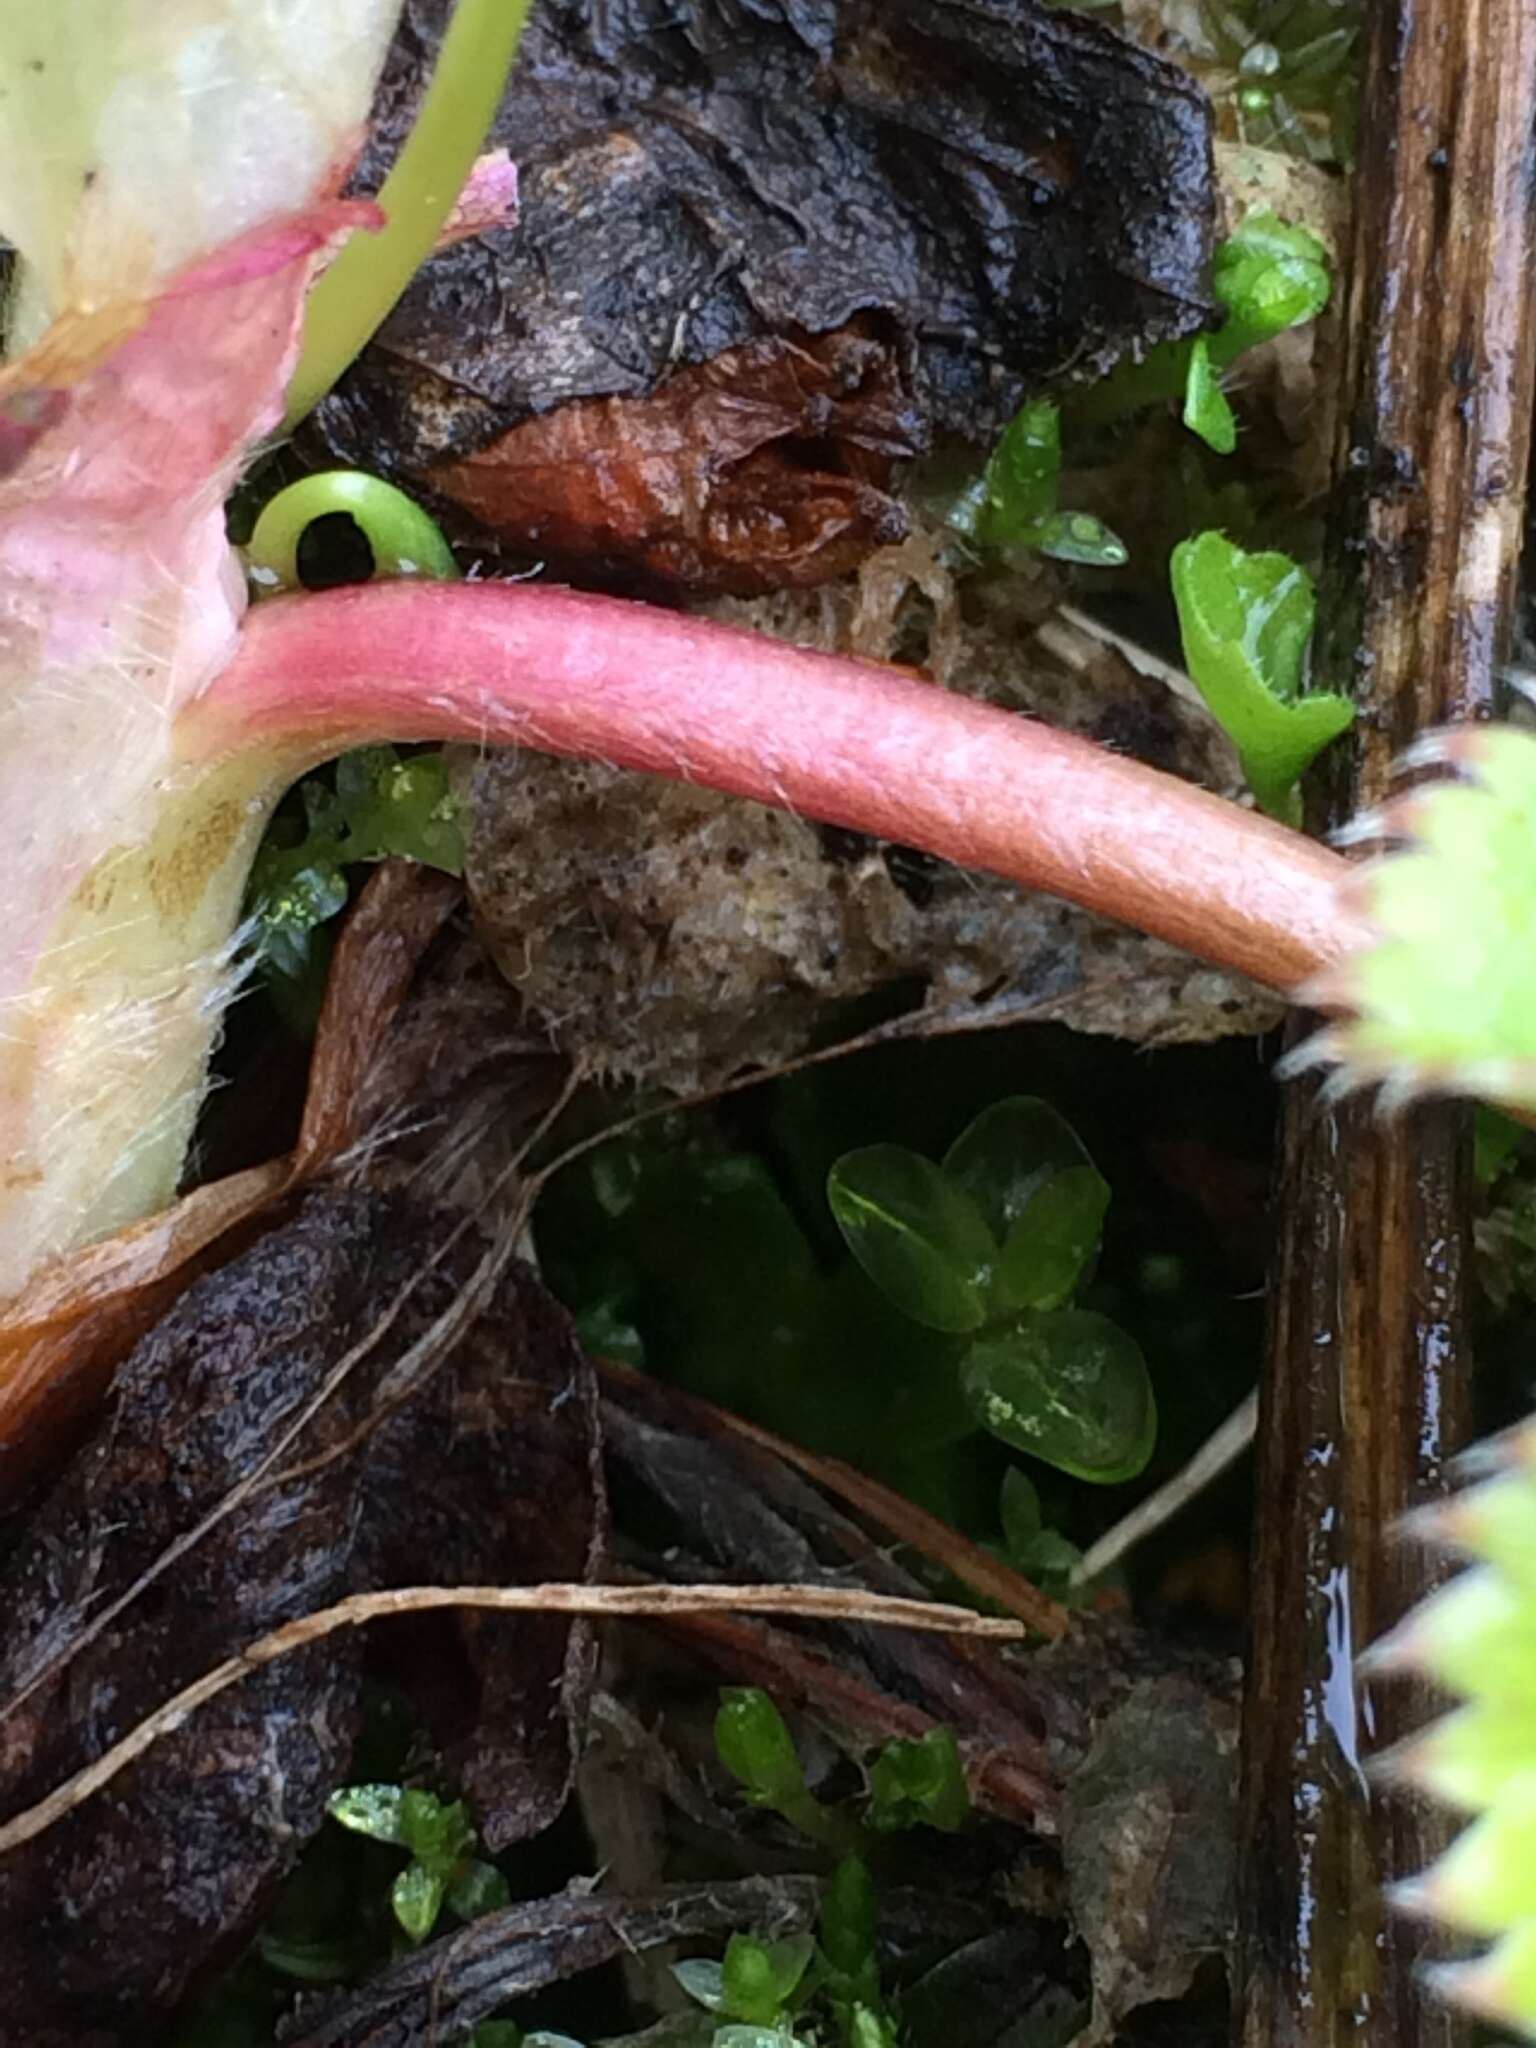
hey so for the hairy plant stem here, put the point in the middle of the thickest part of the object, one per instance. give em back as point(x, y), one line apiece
point(846, 741)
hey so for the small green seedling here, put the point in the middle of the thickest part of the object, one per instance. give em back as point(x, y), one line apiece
point(993, 1245)
point(912, 1782)
point(919, 1781)
point(1013, 502)
point(1246, 620)
point(757, 1749)
point(402, 539)
point(376, 805)
point(1042, 1554)
point(756, 1984)
point(1293, 65)
point(442, 1870)
point(795, 1992)
point(1268, 277)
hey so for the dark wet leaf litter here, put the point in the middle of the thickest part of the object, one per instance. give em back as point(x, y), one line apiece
point(484, 1469)
point(766, 249)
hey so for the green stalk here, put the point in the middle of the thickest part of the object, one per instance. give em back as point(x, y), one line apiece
point(358, 292)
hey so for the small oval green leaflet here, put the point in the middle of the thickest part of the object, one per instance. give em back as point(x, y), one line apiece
point(758, 1978)
point(1006, 1155)
point(1044, 1202)
point(417, 1899)
point(1068, 1386)
point(917, 1234)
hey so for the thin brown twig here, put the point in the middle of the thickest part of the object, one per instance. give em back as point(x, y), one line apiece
point(903, 1518)
point(809, 1603)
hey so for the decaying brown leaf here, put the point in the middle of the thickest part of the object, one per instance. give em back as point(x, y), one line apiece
point(764, 247)
point(722, 478)
point(474, 1461)
point(1149, 1840)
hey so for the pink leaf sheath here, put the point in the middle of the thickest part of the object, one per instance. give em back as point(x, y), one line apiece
point(845, 741)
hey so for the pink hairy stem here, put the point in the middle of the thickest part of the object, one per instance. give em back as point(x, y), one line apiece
point(844, 741)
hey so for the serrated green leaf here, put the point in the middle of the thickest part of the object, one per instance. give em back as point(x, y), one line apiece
point(1068, 1386)
point(1485, 1883)
point(1477, 1636)
point(918, 1236)
point(1470, 1757)
point(1447, 997)
point(1245, 620)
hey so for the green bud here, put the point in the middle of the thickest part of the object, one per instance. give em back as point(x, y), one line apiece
point(755, 1746)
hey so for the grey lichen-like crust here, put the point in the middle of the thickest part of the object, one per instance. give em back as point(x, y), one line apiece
point(674, 936)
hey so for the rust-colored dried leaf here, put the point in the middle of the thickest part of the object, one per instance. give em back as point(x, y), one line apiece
point(763, 468)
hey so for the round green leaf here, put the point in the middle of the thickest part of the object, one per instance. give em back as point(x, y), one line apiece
point(918, 1236)
point(1005, 1157)
point(1070, 1387)
point(477, 1888)
point(1048, 1247)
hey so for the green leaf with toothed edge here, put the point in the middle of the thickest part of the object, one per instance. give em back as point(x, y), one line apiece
point(1245, 620)
point(1478, 1637)
point(1446, 996)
